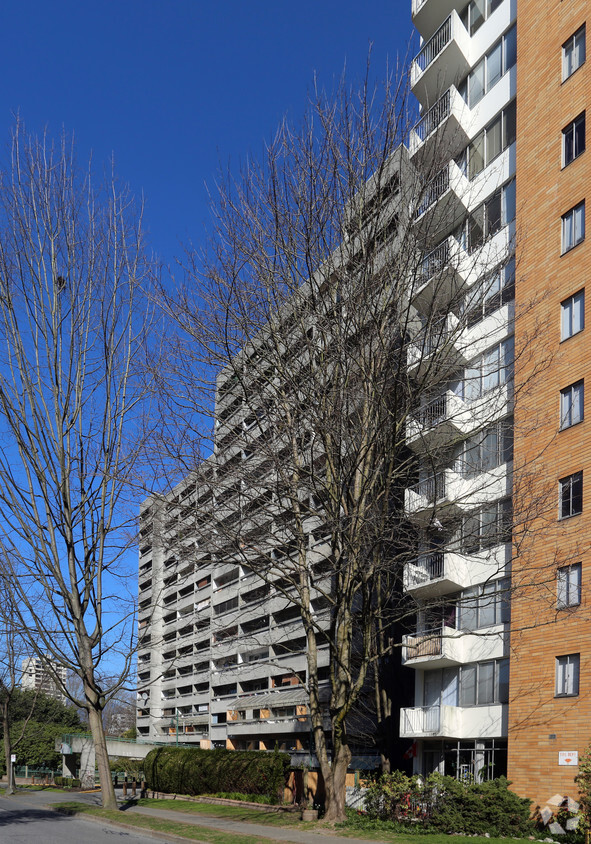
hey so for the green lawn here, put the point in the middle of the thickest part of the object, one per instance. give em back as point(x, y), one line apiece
point(246, 815)
point(189, 831)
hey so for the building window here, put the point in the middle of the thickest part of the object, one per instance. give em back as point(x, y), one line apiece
point(490, 294)
point(493, 369)
point(568, 586)
point(484, 683)
point(476, 12)
point(567, 675)
point(573, 227)
point(572, 315)
point(488, 219)
point(488, 526)
point(485, 605)
point(573, 53)
point(484, 75)
point(573, 139)
point(571, 495)
point(486, 450)
point(491, 142)
point(572, 405)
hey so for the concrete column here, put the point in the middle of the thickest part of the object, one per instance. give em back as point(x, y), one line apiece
point(69, 764)
point(87, 763)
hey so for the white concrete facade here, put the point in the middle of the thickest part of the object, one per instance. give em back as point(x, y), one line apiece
point(464, 78)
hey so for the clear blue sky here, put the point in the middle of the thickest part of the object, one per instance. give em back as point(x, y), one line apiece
point(173, 87)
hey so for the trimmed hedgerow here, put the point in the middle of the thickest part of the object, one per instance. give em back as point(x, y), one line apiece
point(67, 782)
point(190, 770)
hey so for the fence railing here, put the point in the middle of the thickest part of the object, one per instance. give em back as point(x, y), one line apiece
point(433, 565)
point(435, 260)
point(425, 644)
point(432, 488)
point(434, 45)
point(439, 112)
point(433, 191)
point(433, 412)
point(421, 719)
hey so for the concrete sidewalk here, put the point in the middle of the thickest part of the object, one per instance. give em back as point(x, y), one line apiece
point(277, 833)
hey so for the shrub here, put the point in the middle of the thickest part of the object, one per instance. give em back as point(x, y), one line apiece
point(583, 780)
point(393, 796)
point(444, 804)
point(67, 782)
point(183, 770)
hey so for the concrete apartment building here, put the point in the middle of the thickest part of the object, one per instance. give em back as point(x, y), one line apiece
point(465, 80)
point(499, 652)
point(35, 675)
point(229, 668)
point(520, 689)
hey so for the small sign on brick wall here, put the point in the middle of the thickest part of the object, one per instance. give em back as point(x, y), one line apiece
point(568, 757)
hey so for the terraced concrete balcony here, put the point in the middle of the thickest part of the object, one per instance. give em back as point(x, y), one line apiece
point(444, 572)
point(436, 346)
point(445, 646)
point(438, 421)
point(428, 15)
point(443, 130)
point(436, 573)
point(459, 722)
point(444, 203)
point(443, 60)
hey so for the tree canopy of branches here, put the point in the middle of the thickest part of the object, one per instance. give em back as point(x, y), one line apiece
point(337, 327)
point(73, 321)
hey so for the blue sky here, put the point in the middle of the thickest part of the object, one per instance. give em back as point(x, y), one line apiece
point(174, 87)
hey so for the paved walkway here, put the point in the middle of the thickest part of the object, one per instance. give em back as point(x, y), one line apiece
point(277, 833)
point(45, 799)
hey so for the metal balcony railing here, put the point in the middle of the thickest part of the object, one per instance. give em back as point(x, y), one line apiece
point(435, 260)
point(432, 564)
point(434, 45)
point(432, 488)
point(420, 719)
point(433, 191)
point(434, 412)
point(429, 643)
point(434, 117)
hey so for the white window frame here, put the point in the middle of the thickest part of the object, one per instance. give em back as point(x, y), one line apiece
point(568, 586)
point(573, 227)
point(572, 315)
point(572, 405)
point(569, 137)
point(567, 675)
point(573, 53)
point(566, 497)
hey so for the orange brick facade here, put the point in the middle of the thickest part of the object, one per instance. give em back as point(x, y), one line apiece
point(542, 724)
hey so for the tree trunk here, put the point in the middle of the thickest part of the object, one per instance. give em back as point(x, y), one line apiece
point(109, 800)
point(335, 785)
point(7, 748)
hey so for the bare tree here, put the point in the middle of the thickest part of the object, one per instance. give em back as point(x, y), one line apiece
point(72, 327)
point(336, 308)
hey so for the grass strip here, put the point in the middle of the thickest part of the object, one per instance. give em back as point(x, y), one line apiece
point(292, 820)
point(243, 814)
point(190, 831)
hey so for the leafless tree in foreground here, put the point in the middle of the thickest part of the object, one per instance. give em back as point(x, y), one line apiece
point(72, 326)
point(336, 308)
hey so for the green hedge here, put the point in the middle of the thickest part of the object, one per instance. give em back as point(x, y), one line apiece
point(181, 770)
point(67, 782)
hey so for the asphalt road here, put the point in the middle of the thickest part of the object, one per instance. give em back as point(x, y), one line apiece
point(24, 822)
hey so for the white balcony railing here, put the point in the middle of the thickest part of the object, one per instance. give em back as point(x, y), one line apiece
point(434, 46)
point(460, 722)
